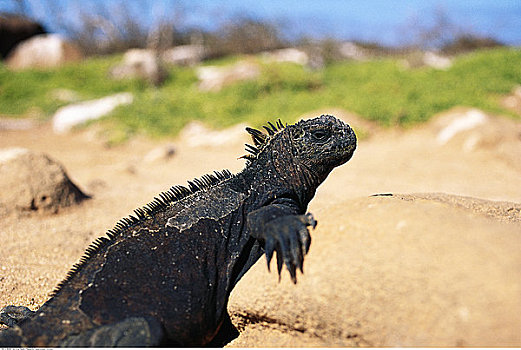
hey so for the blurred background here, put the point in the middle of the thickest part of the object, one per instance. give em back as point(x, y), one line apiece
point(224, 62)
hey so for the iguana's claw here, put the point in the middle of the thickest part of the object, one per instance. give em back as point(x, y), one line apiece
point(290, 238)
point(11, 314)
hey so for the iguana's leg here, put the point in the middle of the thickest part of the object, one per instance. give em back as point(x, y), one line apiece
point(131, 332)
point(280, 229)
point(11, 314)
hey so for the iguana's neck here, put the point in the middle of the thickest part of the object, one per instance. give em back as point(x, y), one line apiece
point(276, 175)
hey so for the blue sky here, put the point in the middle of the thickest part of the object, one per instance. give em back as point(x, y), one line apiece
point(387, 22)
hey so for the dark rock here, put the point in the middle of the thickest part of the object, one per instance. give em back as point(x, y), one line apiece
point(15, 29)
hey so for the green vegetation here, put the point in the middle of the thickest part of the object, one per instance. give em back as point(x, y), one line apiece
point(380, 90)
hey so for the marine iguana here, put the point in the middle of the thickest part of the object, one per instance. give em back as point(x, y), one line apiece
point(163, 276)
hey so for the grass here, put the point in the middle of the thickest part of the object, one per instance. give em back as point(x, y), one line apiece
point(380, 90)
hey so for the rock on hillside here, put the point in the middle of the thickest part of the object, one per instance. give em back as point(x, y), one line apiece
point(416, 270)
point(472, 130)
point(184, 55)
point(213, 78)
point(291, 54)
point(74, 114)
point(14, 29)
point(140, 63)
point(34, 182)
point(43, 51)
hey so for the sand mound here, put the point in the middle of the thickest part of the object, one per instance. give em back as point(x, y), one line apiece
point(34, 182)
point(405, 270)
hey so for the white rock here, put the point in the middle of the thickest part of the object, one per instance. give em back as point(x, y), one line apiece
point(69, 116)
point(434, 60)
point(213, 78)
point(140, 63)
point(286, 55)
point(352, 51)
point(184, 55)
point(43, 51)
point(467, 121)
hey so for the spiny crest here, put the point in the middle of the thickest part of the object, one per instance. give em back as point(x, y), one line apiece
point(93, 247)
point(260, 139)
point(163, 200)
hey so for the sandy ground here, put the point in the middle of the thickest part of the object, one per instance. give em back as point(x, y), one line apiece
point(399, 270)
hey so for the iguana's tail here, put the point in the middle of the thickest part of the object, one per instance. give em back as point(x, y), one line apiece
point(131, 332)
point(11, 337)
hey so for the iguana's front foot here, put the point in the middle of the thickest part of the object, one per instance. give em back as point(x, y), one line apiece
point(11, 314)
point(290, 238)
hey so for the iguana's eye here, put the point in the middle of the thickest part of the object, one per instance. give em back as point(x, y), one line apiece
point(320, 135)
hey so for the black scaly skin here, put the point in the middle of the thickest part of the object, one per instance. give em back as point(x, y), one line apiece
point(164, 275)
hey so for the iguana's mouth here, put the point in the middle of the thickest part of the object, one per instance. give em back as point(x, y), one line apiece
point(346, 148)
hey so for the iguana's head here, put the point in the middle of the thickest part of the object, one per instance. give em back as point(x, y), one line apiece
point(324, 142)
point(316, 145)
